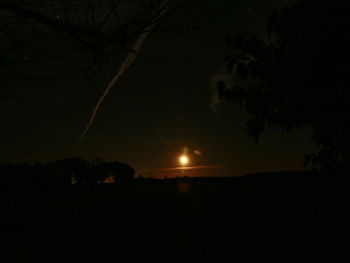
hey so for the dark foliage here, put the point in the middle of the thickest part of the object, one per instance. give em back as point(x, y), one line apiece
point(62, 173)
point(299, 78)
point(90, 35)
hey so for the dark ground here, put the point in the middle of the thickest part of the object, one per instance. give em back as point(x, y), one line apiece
point(162, 220)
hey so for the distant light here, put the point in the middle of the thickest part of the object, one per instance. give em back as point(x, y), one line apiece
point(183, 160)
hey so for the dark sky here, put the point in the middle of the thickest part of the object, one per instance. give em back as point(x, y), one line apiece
point(156, 110)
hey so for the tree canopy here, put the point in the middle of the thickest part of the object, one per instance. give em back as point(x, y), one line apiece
point(298, 78)
point(64, 172)
point(87, 39)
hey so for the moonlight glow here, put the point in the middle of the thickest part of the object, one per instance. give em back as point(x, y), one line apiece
point(183, 160)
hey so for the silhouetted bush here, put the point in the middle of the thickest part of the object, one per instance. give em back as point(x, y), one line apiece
point(63, 172)
point(298, 78)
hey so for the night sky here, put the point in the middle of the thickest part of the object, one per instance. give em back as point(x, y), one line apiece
point(160, 105)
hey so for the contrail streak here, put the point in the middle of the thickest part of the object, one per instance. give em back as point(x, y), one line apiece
point(124, 66)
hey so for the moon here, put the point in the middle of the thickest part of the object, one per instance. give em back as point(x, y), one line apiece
point(184, 160)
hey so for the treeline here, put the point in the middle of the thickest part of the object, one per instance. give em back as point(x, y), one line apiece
point(64, 172)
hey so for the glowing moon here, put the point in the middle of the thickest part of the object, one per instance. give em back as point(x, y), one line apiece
point(183, 160)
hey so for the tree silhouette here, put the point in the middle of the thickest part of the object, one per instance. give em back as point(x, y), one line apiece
point(298, 78)
point(122, 172)
point(62, 173)
point(84, 39)
point(76, 168)
point(93, 34)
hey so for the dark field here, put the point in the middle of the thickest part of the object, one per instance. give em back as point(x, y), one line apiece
point(161, 219)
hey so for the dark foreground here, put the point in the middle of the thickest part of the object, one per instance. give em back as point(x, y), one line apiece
point(178, 220)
